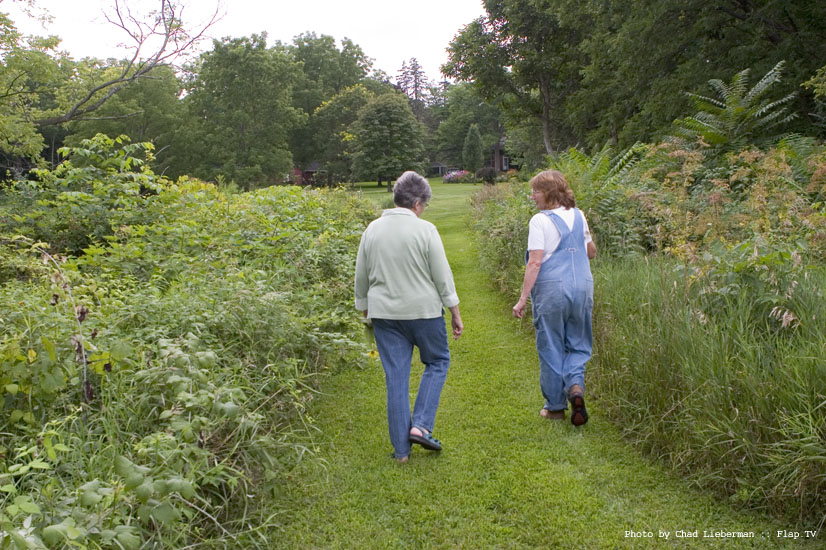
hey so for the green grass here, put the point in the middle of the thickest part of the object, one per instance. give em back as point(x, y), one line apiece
point(506, 478)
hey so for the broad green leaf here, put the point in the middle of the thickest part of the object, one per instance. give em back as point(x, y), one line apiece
point(90, 498)
point(133, 480)
point(165, 513)
point(128, 537)
point(124, 467)
point(50, 348)
point(29, 507)
point(53, 534)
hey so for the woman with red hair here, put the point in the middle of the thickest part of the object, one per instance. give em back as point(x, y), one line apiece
point(559, 282)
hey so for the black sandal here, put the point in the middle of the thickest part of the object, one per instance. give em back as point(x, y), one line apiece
point(426, 440)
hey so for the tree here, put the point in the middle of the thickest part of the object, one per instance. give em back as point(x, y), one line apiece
point(148, 110)
point(632, 91)
point(241, 107)
point(30, 68)
point(325, 71)
point(465, 106)
point(42, 89)
point(472, 155)
point(522, 54)
point(413, 81)
point(387, 139)
point(334, 120)
point(163, 27)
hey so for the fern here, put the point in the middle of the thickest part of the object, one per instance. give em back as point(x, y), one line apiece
point(739, 116)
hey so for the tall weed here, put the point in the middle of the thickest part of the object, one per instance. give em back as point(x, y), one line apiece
point(733, 401)
point(709, 307)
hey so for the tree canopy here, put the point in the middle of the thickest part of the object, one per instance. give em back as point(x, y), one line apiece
point(388, 139)
point(544, 75)
point(325, 70)
point(465, 107)
point(594, 72)
point(241, 108)
point(334, 120)
point(522, 54)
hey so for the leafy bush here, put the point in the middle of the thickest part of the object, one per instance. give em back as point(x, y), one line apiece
point(154, 385)
point(72, 206)
point(510, 175)
point(458, 176)
point(500, 219)
point(486, 174)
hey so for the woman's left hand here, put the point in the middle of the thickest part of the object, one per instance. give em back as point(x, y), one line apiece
point(519, 308)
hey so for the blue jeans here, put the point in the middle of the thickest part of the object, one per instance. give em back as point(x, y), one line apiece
point(395, 340)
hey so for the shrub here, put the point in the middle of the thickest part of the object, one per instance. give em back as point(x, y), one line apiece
point(458, 176)
point(72, 206)
point(510, 175)
point(144, 405)
point(486, 174)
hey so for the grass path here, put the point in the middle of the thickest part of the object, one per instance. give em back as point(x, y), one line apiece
point(506, 478)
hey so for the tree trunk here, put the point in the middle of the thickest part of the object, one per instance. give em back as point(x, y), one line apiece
point(546, 114)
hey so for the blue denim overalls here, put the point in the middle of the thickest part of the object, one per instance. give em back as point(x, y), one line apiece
point(561, 302)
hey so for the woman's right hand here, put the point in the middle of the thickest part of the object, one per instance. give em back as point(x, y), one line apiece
point(456, 322)
point(519, 308)
point(458, 327)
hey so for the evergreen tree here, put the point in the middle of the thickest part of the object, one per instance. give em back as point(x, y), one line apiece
point(463, 107)
point(472, 153)
point(413, 81)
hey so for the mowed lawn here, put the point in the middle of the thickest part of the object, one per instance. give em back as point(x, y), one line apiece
point(506, 477)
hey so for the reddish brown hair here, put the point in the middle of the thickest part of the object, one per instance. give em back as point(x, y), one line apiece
point(553, 185)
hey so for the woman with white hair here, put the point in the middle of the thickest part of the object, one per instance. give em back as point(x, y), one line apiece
point(403, 282)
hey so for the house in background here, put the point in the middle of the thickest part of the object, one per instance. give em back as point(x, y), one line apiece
point(310, 175)
point(437, 169)
point(498, 158)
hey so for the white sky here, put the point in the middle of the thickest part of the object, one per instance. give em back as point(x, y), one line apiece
point(389, 31)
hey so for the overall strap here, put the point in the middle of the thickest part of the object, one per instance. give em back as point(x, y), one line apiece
point(561, 226)
point(578, 229)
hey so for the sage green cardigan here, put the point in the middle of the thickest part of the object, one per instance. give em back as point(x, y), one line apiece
point(401, 269)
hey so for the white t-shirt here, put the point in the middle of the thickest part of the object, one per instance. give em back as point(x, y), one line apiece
point(543, 234)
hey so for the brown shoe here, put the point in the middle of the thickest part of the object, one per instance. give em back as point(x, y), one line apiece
point(579, 414)
point(552, 415)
